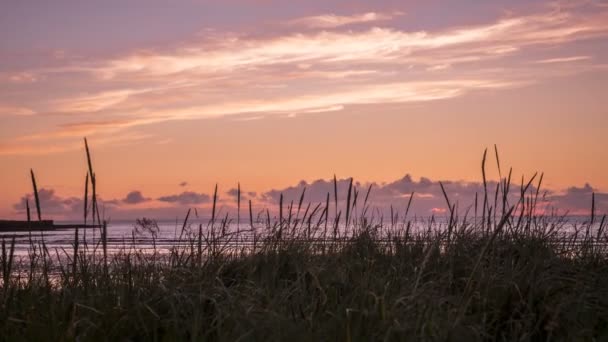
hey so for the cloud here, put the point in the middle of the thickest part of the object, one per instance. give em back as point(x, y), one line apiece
point(84, 128)
point(371, 45)
point(95, 102)
point(23, 77)
point(333, 21)
point(57, 207)
point(53, 206)
point(428, 197)
point(245, 195)
point(50, 203)
point(564, 59)
point(313, 66)
point(6, 110)
point(53, 142)
point(186, 198)
point(135, 197)
point(578, 199)
point(12, 148)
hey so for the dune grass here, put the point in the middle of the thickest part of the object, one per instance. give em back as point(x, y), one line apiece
point(502, 273)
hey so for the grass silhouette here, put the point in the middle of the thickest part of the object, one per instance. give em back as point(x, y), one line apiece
point(505, 273)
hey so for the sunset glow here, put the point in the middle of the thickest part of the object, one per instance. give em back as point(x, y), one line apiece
point(176, 97)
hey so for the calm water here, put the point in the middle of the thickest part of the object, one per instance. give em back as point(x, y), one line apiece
point(120, 234)
point(124, 233)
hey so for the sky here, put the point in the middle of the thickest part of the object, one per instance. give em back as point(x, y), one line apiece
point(175, 97)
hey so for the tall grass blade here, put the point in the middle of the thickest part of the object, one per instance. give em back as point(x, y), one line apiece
point(36, 198)
point(348, 198)
point(238, 208)
point(251, 215)
point(336, 193)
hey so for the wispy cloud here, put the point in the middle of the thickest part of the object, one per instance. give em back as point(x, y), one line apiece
point(41, 144)
point(564, 59)
point(6, 110)
point(374, 45)
point(333, 21)
point(92, 103)
point(23, 77)
point(316, 65)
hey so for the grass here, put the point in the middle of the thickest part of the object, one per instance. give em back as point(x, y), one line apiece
point(503, 274)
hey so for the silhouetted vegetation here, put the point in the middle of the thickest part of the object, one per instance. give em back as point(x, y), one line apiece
point(504, 272)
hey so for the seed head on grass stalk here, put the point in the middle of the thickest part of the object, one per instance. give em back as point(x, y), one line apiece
point(86, 206)
point(592, 209)
point(27, 210)
point(36, 198)
point(409, 204)
point(336, 194)
point(93, 181)
point(213, 209)
point(326, 212)
point(280, 215)
point(485, 187)
point(349, 194)
point(354, 205)
point(238, 208)
point(251, 215)
point(300, 202)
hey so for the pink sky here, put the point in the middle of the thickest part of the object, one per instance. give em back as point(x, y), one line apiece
point(270, 93)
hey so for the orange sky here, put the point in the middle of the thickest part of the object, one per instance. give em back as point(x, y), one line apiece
point(199, 93)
